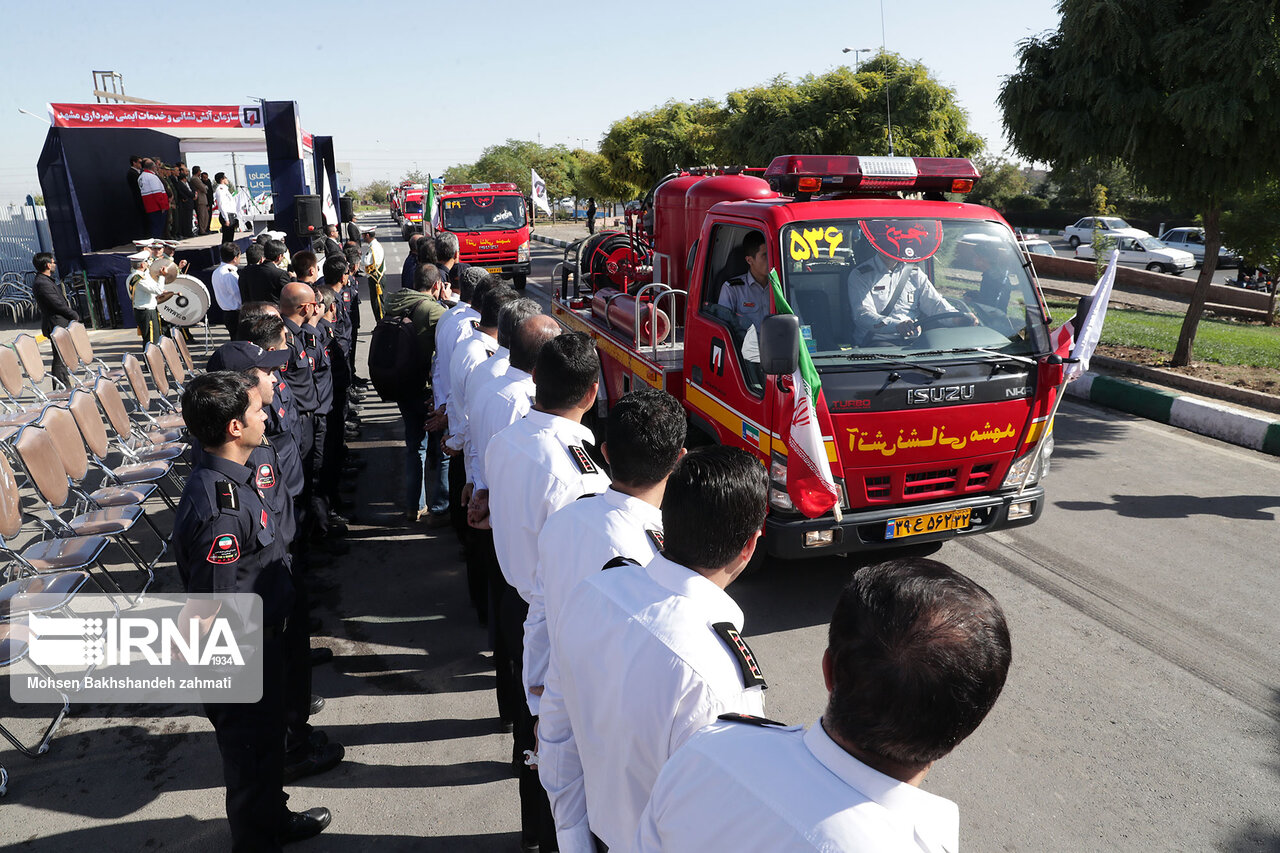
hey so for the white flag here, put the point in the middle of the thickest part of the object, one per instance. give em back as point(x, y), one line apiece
point(1091, 330)
point(540, 192)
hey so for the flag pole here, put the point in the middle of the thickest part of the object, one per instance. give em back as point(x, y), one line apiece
point(1048, 432)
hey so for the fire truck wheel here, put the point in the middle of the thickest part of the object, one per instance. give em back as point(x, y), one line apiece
point(520, 281)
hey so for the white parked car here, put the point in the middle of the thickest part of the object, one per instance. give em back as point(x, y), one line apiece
point(1037, 246)
point(1146, 252)
point(1110, 226)
point(1192, 240)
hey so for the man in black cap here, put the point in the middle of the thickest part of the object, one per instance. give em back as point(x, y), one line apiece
point(226, 540)
point(309, 750)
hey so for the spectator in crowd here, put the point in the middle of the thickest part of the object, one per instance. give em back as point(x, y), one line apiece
point(185, 199)
point(375, 268)
point(226, 286)
point(247, 272)
point(410, 268)
point(423, 308)
point(332, 246)
point(916, 656)
point(200, 198)
point(135, 192)
point(226, 207)
point(274, 276)
point(209, 188)
point(447, 258)
point(591, 216)
point(53, 305)
point(155, 200)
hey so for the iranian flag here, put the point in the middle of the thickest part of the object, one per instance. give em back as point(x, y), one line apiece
point(809, 482)
point(429, 211)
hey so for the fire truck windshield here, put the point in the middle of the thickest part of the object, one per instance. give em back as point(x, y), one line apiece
point(412, 206)
point(909, 286)
point(483, 213)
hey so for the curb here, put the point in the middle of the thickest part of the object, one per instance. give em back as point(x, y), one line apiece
point(560, 244)
point(1199, 416)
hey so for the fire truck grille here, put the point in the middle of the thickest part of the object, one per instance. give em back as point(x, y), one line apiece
point(930, 482)
point(492, 256)
point(878, 488)
point(980, 476)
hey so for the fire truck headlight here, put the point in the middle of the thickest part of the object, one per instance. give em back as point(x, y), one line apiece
point(522, 253)
point(778, 497)
point(1018, 470)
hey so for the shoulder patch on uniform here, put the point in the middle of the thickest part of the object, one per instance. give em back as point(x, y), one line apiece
point(750, 720)
point(582, 459)
point(751, 674)
point(619, 562)
point(266, 476)
point(227, 497)
point(225, 549)
point(655, 536)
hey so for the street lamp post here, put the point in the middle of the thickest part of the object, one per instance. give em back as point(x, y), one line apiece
point(857, 53)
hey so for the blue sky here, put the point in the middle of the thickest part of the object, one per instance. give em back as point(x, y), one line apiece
point(404, 84)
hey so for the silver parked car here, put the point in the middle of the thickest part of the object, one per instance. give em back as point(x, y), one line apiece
point(1191, 240)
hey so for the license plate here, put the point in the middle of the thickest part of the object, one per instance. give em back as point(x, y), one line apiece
point(934, 522)
point(493, 269)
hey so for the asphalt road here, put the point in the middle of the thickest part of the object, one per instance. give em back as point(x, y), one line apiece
point(1063, 248)
point(1142, 711)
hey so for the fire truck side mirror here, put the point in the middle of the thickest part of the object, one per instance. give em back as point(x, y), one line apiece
point(780, 344)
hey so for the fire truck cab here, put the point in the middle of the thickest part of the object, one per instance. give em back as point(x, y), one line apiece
point(492, 226)
point(922, 317)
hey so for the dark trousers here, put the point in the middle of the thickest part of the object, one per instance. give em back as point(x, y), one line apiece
point(182, 220)
point(148, 324)
point(251, 741)
point(297, 662)
point(457, 511)
point(156, 222)
point(231, 319)
point(229, 230)
point(314, 476)
point(510, 694)
point(537, 824)
point(59, 370)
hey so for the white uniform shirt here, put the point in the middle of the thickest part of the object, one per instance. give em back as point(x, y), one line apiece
point(226, 287)
point(146, 290)
point(502, 401)
point(639, 669)
point(481, 375)
point(737, 786)
point(747, 298)
point(534, 467)
point(494, 366)
point(871, 287)
point(469, 354)
point(226, 203)
point(372, 256)
point(452, 327)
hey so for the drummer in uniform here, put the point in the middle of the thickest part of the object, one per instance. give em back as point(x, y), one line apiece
point(375, 267)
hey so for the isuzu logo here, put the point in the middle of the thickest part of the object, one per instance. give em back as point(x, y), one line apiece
point(939, 394)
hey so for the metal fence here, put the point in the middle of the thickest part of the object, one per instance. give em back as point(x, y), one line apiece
point(24, 230)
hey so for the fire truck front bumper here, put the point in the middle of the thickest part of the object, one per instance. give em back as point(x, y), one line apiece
point(506, 269)
point(796, 537)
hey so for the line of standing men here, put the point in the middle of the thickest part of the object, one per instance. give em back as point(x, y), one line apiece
point(616, 644)
point(259, 498)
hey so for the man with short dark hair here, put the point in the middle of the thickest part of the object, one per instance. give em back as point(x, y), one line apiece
point(250, 278)
point(747, 295)
point(200, 196)
point(225, 540)
point(662, 642)
point(332, 245)
point(53, 305)
point(184, 209)
point(227, 210)
point(275, 255)
point(226, 286)
point(536, 466)
point(646, 433)
point(917, 654)
point(424, 310)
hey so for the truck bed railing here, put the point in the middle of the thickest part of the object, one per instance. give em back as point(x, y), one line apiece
point(660, 292)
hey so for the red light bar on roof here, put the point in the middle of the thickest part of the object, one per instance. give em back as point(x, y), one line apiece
point(492, 188)
point(792, 173)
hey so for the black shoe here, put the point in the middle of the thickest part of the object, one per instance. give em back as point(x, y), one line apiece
point(359, 381)
point(320, 654)
point(317, 739)
point(338, 524)
point(317, 705)
point(351, 433)
point(304, 825)
point(315, 760)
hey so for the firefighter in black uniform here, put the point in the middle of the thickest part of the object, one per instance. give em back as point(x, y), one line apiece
point(227, 541)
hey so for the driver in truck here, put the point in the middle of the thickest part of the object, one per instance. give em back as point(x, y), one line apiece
point(747, 295)
point(890, 294)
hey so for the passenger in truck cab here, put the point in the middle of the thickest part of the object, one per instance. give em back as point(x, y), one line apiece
point(747, 295)
point(890, 294)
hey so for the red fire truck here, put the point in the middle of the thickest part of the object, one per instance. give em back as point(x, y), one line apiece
point(412, 199)
point(492, 227)
point(931, 422)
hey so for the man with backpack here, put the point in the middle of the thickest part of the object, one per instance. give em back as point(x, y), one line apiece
point(400, 369)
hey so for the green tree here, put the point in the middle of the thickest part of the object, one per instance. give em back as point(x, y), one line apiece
point(1102, 244)
point(414, 176)
point(642, 148)
point(1002, 181)
point(1252, 228)
point(376, 191)
point(843, 112)
point(1183, 92)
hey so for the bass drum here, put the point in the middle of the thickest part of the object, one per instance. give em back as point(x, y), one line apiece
point(611, 259)
point(183, 303)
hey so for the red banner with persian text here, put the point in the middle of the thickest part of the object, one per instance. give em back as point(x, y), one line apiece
point(157, 116)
